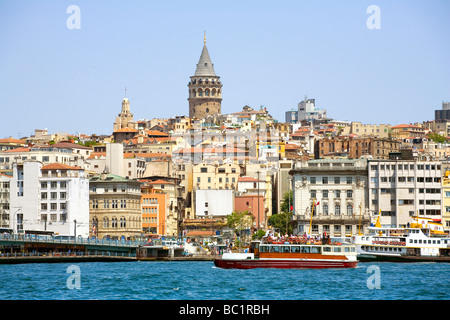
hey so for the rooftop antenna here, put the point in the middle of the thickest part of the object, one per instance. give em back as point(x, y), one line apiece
point(204, 37)
point(125, 92)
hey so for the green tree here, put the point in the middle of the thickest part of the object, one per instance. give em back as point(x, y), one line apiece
point(287, 199)
point(282, 222)
point(436, 137)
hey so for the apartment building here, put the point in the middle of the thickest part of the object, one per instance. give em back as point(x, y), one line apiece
point(330, 196)
point(216, 176)
point(401, 189)
point(154, 205)
point(51, 197)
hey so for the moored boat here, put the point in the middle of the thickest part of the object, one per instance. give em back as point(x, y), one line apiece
point(290, 255)
point(423, 240)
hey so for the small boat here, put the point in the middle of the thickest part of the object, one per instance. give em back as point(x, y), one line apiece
point(423, 240)
point(291, 254)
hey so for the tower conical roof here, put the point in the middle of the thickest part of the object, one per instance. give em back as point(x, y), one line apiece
point(204, 66)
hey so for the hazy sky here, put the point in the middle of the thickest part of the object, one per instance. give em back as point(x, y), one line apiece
point(270, 53)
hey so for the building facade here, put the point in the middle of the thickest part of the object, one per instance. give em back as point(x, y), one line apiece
point(52, 198)
point(330, 196)
point(401, 189)
point(114, 207)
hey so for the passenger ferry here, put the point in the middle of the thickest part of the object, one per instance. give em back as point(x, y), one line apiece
point(290, 254)
point(422, 240)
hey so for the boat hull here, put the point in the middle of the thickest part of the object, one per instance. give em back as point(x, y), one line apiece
point(401, 258)
point(283, 264)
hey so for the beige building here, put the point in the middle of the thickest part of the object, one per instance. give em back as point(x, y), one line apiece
point(114, 207)
point(216, 176)
point(373, 130)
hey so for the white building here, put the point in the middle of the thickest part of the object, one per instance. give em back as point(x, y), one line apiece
point(213, 203)
point(307, 111)
point(53, 197)
point(114, 161)
point(338, 189)
point(402, 189)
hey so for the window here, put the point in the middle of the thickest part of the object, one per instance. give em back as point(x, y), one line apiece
point(325, 193)
point(349, 180)
point(337, 210)
point(349, 193)
point(337, 180)
point(325, 209)
point(337, 193)
point(349, 209)
point(312, 180)
point(325, 180)
point(204, 169)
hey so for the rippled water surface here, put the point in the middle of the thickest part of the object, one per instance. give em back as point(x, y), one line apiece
point(203, 281)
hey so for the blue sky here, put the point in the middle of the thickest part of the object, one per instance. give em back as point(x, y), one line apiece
point(270, 53)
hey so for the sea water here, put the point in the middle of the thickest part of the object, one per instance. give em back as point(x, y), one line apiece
point(203, 281)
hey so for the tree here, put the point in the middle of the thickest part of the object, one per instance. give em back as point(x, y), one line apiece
point(287, 200)
point(436, 137)
point(281, 221)
point(240, 220)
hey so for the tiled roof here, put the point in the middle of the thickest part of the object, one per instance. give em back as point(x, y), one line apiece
point(125, 130)
point(59, 166)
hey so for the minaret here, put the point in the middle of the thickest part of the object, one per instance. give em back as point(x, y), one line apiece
point(205, 88)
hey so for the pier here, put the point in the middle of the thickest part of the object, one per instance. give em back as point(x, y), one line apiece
point(16, 249)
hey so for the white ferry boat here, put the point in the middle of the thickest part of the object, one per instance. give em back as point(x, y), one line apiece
point(422, 240)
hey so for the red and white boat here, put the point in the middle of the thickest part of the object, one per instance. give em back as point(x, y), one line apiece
point(291, 255)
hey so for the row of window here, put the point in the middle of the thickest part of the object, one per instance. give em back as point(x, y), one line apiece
point(53, 206)
point(114, 204)
point(327, 180)
point(53, 184)
point(407, 179)
point(405, 167)
point(53, 217)
point(227, 180)
point(149, 210)
point(119, 223)
point(149, 200)
point(337, 210)
point(337, 193)
point(53, 195)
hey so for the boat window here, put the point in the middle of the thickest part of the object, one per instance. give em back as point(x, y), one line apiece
point(347, 249)
point(353, 249)
point(264, 249)
point(337, 249)
point(326, 249)
point(285, 249)
point(295, 249)
point(305, 249)
point(275, 249)
point(315, 249)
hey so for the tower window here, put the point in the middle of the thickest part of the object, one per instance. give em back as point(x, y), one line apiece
point(207, 110)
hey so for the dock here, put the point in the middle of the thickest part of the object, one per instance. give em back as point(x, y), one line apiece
point(18, 249)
